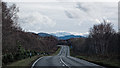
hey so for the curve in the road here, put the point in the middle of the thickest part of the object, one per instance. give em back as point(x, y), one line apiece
point(63, 59)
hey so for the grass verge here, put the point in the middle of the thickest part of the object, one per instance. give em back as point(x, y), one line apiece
point(103, 62)
point(24, 63)
point(58, 50)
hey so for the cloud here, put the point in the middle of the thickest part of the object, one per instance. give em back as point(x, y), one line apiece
point(34, 21)
point(97, 20)
point(98, 11)
point(82, 34)
point(57, 16)
point(69, 14)
point(81, 7)
point(92, 13)
point(61, 0)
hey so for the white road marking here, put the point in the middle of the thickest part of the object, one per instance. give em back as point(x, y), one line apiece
point(63, 62)
point(36, 62)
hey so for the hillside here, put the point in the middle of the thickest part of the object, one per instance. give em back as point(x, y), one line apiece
point(44, 34)
point(69, 37)
point(14, 36)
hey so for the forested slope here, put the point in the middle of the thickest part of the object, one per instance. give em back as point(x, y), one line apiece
point(16, 42)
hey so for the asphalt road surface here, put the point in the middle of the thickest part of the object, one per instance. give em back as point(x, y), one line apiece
point(63, 60)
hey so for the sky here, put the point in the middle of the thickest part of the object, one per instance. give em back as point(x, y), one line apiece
point(61, 0)
point(70, 16)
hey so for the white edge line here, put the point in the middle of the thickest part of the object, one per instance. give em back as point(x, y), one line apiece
point(36, 62)
point(63, 62)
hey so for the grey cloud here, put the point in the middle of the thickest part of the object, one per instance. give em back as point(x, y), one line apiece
point(81, 7)
point(73, 14)
point(68, 14)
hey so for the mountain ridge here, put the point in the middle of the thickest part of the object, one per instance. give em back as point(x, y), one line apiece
point(60, 35)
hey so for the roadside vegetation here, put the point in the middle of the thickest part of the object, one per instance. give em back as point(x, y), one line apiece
point(58, 50)
point(101, 46)
point(27, 62)
point(24, 63)
point(107, 62)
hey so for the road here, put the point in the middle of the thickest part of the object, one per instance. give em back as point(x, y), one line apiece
point(63, 60)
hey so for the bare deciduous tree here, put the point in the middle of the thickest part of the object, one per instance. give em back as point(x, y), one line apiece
point(101, 36)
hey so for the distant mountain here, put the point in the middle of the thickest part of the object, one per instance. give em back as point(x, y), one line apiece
point(44, 34)
point(65, 35)
point(69, 37)
point(59, 34)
